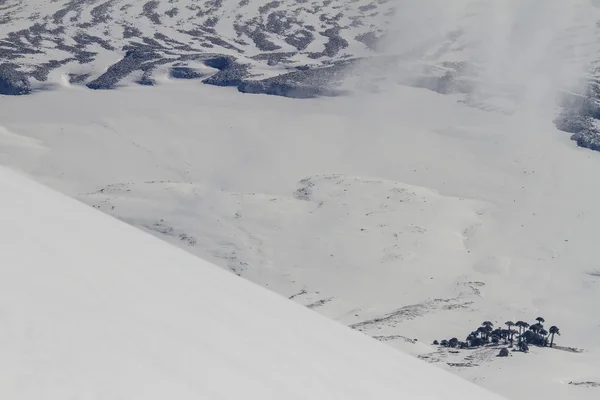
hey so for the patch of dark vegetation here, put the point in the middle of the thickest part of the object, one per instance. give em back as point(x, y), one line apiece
point(172, 12)
point(232, 75)
point(383, 338)
point(58, 16)
point(100, 14)
point(300, 293)
point(590, 384)
point(146, 80)
point(305, 191)
point(319, 303)
point(268, 6)
point(356, 22)
point(368, 7)
point(217, 41)
point(149, 11)
point(190, 240)
point(300, 39)
point(585, 130)
point(41, 71)
point(133, 60)
point(78, 78)
point(83, 40)
point(84, 57)
point(211, 22)
point(205, 9)
point(335, 42)
point(255, 30)
point(301, 84)
point(185, 73)
point(167, 230)
point(152, 43)
point(221, 63)
point(278, 22)
point(581, 116)
point(330, 19)
point(12, 81)
point(261, 40)
point(461, 365)
point(273, 58)
point(369, 39)
point(527, 335)
point(131, 31)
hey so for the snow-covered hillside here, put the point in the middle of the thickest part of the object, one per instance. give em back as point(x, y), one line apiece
point(496, 54)
point(411, 215)
point(104, 43)
point(350, 206)
point(92, 308)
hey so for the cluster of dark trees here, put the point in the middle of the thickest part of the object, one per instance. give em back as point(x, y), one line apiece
point(524, 333)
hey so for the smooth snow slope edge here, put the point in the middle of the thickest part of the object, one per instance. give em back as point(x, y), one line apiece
point(93, 308)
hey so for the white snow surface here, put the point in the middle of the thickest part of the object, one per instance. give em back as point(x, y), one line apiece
point(91, 308)
point(418, 217)
point(403, 214)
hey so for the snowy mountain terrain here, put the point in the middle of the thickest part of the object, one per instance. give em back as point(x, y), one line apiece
point(410, 225)
point(92, 308)
point(104, 43)
point(434, 193)
point(303, 48)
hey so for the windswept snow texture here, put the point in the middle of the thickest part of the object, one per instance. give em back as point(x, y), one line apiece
point(92, 308)
point(508, 56)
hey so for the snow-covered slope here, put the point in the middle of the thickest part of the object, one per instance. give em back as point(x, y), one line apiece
point(103, 43)
point(92, 308)
point(402, 213)
point(497, 54)
point(497, 209)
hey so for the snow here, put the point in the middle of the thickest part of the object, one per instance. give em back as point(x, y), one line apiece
point(418, 215)
point(503, 217)
point(193, 28)
point(92, 308)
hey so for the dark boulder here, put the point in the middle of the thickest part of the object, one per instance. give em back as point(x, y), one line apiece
point(503, 352)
